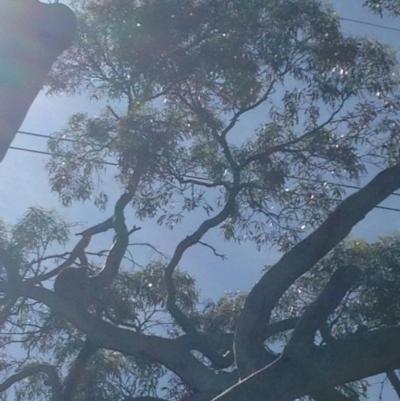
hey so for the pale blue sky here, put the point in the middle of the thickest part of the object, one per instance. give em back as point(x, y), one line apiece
point(23, 183)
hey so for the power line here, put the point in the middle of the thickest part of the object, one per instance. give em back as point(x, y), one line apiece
point(51, 137)
point(51, 154)
point(370, 24)
point(116, 164)
point(30, 150)
point(391, 209)
point(42, 135)
point(333, 183)
point(42, 152)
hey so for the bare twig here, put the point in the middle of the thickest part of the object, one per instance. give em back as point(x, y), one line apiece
point(222, 256)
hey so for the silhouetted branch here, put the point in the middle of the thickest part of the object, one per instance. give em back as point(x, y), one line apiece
point(253, 321)
point(53, 379)
point(342, 361)
point(189, 241)
point(318, 312)
point(77, 369)
point(153, 348)
point(332, 395)
point(394, 381)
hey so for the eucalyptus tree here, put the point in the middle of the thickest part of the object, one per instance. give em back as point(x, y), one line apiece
point(248, 115)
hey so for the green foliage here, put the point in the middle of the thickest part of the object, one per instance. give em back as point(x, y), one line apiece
point(376, 301)
point(38, 229)
point(220, 316)
point(379, 6)
point(137, 299)
point(31, 237)
point(184, 82)
point(373, 303)
point(186, 73)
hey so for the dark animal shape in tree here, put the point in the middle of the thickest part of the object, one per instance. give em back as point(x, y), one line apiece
point(73, 284)
point(32, 36)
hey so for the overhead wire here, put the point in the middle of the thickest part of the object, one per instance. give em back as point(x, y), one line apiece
point(369, 24)
point(392, 209)
point(116, 164)
point(298, 178)
point(42, 152)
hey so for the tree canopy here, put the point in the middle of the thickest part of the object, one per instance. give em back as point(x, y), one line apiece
point(250, 116)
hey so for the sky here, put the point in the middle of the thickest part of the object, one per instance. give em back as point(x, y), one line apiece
point(24, 183)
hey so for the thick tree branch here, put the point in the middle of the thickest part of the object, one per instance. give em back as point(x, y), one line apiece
point(318, 368)
point(332, 395)
point(280, 327)
point(117, 252)
point(208, 343)
point(224, 341)
point(77, 369)
point(318, 312)
point(117, 222)
point(394, 381)
point(155, 349)
point(256, 313)
point(52, 378)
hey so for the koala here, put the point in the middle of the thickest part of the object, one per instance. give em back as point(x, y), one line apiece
point(72, 283)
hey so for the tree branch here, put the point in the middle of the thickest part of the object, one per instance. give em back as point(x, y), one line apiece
point(117, 252)
point(11, 265)
point(318, 368)
point(253, 321)
point(152, 348)
point(77, 369)
point(77, 251)
point(319, 311)
point(207, 344)
point(332, 394)
point(284, 147)
point(224, 341)
point(189, 241)
point(49, 370)
point(394, 381)
point(177, 314)
point(116, 222)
